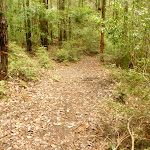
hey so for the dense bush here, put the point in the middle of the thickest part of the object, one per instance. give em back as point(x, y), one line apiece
point(20, 64)
point(44, 58)
point(128, 111)
point(69, 51)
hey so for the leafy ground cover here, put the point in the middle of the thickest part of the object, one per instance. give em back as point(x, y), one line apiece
point(83, 105)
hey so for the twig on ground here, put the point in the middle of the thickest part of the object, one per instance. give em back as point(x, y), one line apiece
point(120, 140)
point(3, 136)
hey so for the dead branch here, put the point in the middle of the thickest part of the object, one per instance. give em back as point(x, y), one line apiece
point(131, 133)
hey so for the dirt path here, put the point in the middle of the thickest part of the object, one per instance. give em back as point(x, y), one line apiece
point(61, 112)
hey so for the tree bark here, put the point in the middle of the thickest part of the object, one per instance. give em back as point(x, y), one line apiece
point(69, 21)
point(98, 5)
point(3, 41)
point(61, 7)
point(125, 18)
point(44, 27)
point(51, 26)
point(102, 32)
point(28, 29)
point(64, 21)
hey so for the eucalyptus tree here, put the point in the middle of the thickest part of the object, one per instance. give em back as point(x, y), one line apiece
point(28, 26)
point(3, 41)
point(62, 32)
point(98, 5)
point(102, 32)
point(69, 19)
point(51, 25)
point(44, 26)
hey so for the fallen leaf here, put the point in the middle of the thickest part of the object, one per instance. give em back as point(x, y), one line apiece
point(29, 137)
point(82, 128)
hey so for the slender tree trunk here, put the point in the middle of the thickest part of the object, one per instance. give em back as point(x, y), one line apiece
point(51, 26)
point(133, 55)
point(79, 4)
point(59, 4)
point(44, 27)
point(125, 17)
point(28, 29)
point(51, 4)
point(64, 21)
point(61, 7)
point(148, 35)
point(82, 3)
point(69, 21)
point(3, 41)
point(98, 5)
point(102, 32)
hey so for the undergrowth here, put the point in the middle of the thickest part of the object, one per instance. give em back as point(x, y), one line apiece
point(69, 51)
point(43, 57)
point(20, 64)
point(126, 117)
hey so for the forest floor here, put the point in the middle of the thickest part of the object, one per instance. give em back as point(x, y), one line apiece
point(59, 112)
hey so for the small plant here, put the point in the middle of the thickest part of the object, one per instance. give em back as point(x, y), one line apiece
point(44, 59)
point(56, 78)
point(21, 65)
point(69, 52)
point(126, 115)
point(23, 84)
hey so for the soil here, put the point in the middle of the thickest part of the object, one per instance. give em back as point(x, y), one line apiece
point(59, 112)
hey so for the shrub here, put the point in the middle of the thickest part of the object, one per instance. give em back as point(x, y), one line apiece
point(70, 51)
point(20, 64)
point(44, 59)
point(143, 65)
point(87, 38)
point(131, 112)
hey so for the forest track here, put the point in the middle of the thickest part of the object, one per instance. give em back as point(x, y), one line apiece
point(59, 112)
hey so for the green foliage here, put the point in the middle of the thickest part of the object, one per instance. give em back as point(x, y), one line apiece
point(129, 33)
point(133, 111)
point(44, 59)
point(135, 84)
point(56, 78)
point(86, 29)
point(143, 65)
point(81, 14)
point(20, 64)
point(69, 52)
point(89, 39)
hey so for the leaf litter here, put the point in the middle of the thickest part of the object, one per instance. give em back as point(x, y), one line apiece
point(56, 113)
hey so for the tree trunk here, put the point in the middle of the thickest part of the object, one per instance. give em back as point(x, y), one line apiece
point(125, 18)
point(69, 21)
point(3, 41)
point(51, 26)
point(61, 7)
point(64, 21)
point(102, 32)
point(148, 35)
point(82, 3)
point(28, 29)
point(98, 5)
point(44, 27)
